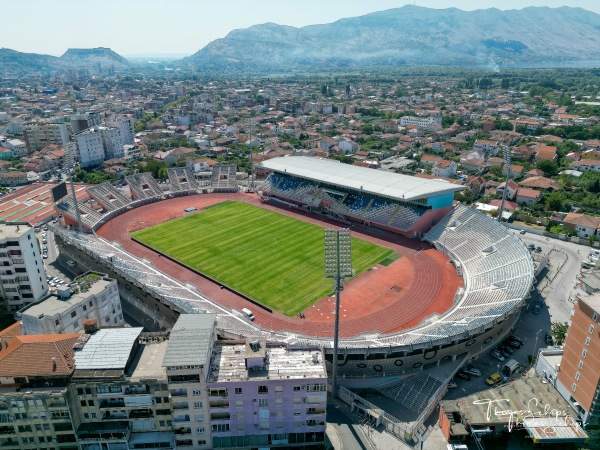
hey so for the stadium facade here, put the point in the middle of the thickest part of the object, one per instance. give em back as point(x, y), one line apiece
point(495, 265)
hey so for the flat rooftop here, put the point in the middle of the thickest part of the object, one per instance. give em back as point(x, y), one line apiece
point(370, 181)
point(528, 395)
point(593, 301)
point(54, 305)
point(12, 231)
point(148, 361)
point(229, 364)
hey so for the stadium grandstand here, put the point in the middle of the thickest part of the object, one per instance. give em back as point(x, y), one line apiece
point(108, 197)
point(143, 186)
point(399, 203)
point(223, 178)
point(182, 179)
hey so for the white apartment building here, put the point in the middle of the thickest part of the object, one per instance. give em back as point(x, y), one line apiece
point(131, 153)
point(36, 137)
point(426, 123)
point(112, 141)
point(94, 296)
point(90, 147)
point(22, 274)
point(81, 122)
point(187, 363)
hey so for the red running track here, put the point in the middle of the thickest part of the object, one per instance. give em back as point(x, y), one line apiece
point(386, 299)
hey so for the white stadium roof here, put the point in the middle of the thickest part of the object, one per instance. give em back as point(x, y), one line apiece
point(371, 181)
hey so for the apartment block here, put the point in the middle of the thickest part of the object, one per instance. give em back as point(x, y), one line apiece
point(90, 147)
point(260, 396)
point(22, 274)
point(81, 122)
point(34, 413)
point(118, 394)
point(186, 362)
point(36, 137)
point(92, 296)
point(579, 373)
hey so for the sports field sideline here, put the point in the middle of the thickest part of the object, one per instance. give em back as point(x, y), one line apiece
point(274, 259)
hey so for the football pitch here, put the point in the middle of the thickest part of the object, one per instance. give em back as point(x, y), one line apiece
point(274, 259)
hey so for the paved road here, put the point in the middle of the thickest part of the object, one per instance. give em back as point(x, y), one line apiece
point(51, 264)
point(350, 435)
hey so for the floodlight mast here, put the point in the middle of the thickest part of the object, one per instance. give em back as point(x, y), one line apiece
point(506, 154)
point(69, 166)
point(338, 265)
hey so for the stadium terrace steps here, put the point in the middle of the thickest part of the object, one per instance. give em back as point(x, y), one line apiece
point(108, 196)
point(143, 186)
point(89, 217)
point(224, 176)
point(182, 179)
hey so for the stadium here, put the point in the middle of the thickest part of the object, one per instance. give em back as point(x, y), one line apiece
point(455, 289)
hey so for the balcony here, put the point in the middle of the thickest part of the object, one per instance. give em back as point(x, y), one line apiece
point(114, 415)
point(219, 416)
point(315, 411)
point(179, 393)
point(183, 431)
point(184, 443)
point(103, 431)
point(141, 413)
point(181, 419)
point(181, 406)
point(218, 404)
point(113, 403)
point(137, 390)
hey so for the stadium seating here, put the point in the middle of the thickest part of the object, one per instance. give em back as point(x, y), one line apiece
point(108, 196)
point(224, 177)
point(143, 186)
point(89, 217)
point(182, 179)
point(405, 217)
point(414, 392)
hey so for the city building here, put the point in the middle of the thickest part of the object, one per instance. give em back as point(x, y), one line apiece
point(34, 375)
point(187, 363)
point(22, 275)
point(118, 394)
point(36, 137)
point(112, 141)
point(81, 122)
point(579, 374)
point(263, 396)
point(92, 297)
point(91, 147)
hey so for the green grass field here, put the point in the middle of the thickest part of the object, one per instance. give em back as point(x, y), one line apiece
point(272, 258)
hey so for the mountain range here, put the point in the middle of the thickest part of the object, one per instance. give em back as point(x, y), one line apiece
point(411, 35)
point(96, 59)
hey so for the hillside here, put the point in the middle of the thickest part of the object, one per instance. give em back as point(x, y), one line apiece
point(530, 37)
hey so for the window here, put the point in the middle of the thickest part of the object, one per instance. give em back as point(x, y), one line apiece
point(279, 401)
point(595, 317)
point(297, 400)
point(296, 388)
point(591, 328)
point(197, 405)
point(201, 442)
point(83, 403)
point(318, 387)
point(200, 430)
point(584, 353)
point(581, 364)
point(239, 403)
point(239, 416)
point(587, 341)
point(577, 376)
point(263, 389)
point(278, 388)
point(238, 391)
point(220, 427)
point(296, 412)
point(93, 415)
point(263, 402)
point(74, 313)
point(574, 387)
point(241, 426)
point(279, 424)
point(218, 392)
point(196, 392)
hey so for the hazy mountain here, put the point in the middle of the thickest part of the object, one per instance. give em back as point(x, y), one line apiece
point(530, 37)
point(16, 63)
point(101, 56)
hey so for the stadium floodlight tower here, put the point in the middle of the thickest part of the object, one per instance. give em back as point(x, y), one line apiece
point(338, 265)
point(69, 167)
point(506, 154)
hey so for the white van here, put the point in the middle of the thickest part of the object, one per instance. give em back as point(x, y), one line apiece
point(248, 313)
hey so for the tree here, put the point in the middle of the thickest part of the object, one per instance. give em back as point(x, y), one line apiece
point(558, 331)
point(554, 201)
point(549, 168)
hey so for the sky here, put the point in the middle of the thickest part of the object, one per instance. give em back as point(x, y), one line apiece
point(182, 27)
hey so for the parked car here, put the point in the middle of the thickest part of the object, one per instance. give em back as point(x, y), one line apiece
point(493, 379)
point(507, 349)
point(512, 337)
point(497, 355)
point(539, 249)
point(463, 375)
point(473, 371)
point(513, 343)
point(531, 247)
point(522, 232)
point(502, 352)
point(45, 256)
